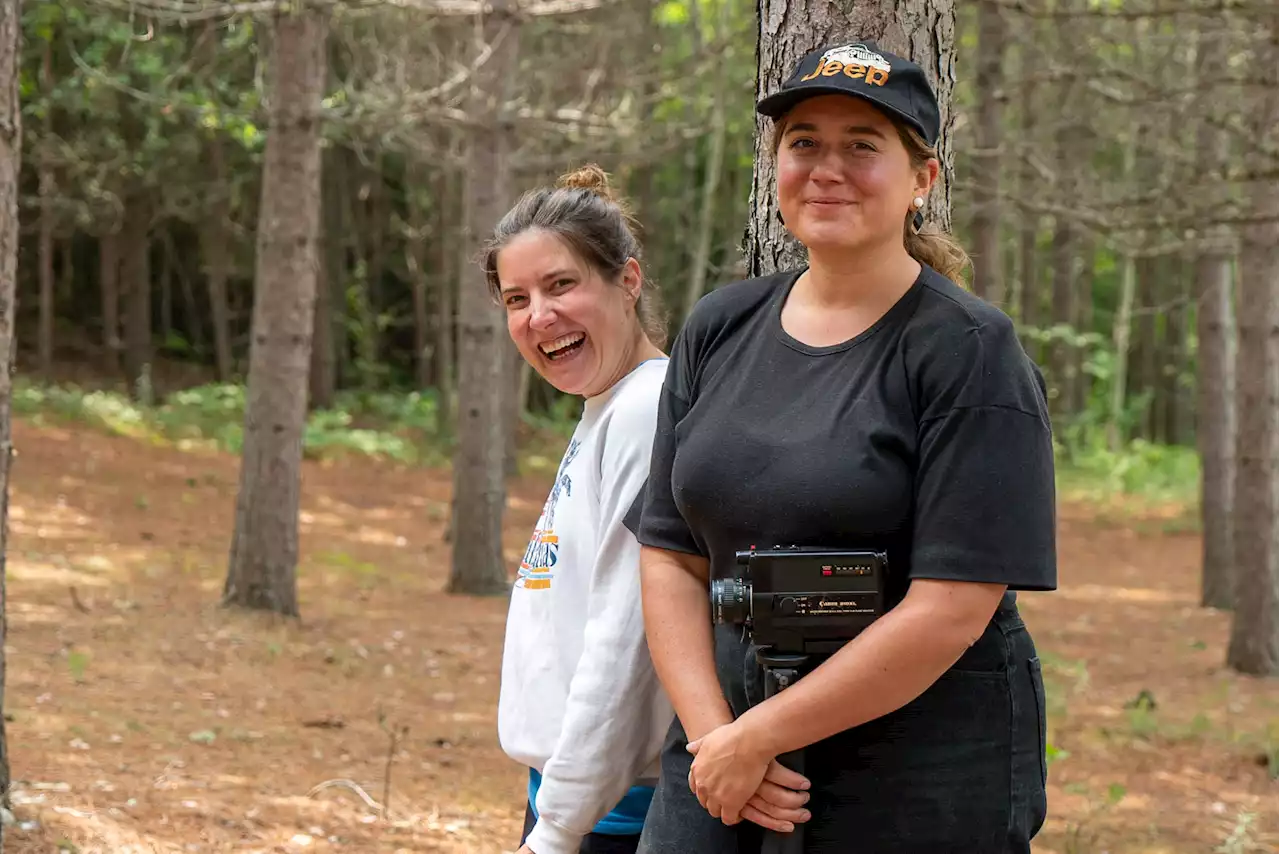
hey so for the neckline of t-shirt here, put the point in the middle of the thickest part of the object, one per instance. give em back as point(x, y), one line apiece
point(592, 403)
point(902, 304)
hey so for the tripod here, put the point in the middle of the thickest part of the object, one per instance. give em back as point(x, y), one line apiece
point(781, 670)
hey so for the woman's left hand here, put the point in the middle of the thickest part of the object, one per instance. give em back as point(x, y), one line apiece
point(728, 766)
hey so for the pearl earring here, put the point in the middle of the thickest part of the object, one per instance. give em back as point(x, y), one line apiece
point(917, 203)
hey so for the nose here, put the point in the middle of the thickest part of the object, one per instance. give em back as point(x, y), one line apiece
point(828, 167)
point(542, 311)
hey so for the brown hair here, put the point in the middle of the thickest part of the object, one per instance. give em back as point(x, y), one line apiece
point(584, 212)
point(937, 249)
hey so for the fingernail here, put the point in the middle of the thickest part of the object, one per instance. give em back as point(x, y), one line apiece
point(787, 827)
point(806, 798)
point(805, 816)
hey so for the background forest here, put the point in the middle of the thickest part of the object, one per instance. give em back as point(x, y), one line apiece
point(1114, 177)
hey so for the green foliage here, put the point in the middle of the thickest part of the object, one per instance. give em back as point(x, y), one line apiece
point(1153, 472)
point(400, 427)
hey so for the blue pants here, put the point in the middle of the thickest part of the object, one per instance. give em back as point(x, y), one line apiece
point(959, 770)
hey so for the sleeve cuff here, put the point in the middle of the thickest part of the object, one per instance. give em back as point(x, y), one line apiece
point(550, 838)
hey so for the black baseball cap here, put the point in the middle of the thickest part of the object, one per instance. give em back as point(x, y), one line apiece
point(861, 69)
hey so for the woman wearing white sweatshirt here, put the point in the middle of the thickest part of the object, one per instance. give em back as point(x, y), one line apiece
point(580, 702)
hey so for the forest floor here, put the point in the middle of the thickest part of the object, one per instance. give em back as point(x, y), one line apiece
point(144, 718)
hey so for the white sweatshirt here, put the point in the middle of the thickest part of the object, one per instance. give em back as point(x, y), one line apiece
point(580, 701)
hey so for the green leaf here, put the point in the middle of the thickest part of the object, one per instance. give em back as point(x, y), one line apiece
point(673, 13)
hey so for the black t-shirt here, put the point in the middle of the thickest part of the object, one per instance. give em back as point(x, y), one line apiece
point(927, 436)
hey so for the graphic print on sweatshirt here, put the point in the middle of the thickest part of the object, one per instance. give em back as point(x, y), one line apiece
point(544, 546)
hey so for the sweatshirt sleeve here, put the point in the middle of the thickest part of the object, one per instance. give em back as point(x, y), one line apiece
point(616, 715)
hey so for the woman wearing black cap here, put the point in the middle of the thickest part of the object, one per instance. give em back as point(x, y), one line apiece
point(865, 400)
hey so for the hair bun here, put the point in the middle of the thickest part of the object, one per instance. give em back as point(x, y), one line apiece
point(590, 177)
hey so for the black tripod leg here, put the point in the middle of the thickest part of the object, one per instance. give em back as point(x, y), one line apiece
point(780, 671)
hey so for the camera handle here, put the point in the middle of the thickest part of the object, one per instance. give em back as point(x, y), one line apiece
point(781, 670)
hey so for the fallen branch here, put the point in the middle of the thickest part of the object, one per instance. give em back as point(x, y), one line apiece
point(346, 784)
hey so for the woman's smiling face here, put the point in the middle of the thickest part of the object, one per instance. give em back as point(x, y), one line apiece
point(577, 330)
point(845, 179)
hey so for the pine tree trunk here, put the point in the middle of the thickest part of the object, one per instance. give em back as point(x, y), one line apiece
point(135, 279)
point(920, 30)
point(1215, 374)
point(214, 237)
point(264, 549)
point(109, 283)
point(1256, 627)
point(987, 267)
point(48, 190)
point(330, 278)
point(484, 361)
point(10, 166)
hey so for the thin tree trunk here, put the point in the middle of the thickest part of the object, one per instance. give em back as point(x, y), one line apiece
point(48, 190)
point(987, 268)
point(484, 380)
point(711, 178)
point(330, 279)
point(1255, 629)
point(190, 308)
point(1215, 375)
point(135, 279)
point(415, 258)
point(1146, 347)
point(1117, 435)
point(166, 293)
point(920, 30)
point(109, 283)
point(264, 549)
point(446, 328)
point(1174, 356)
point(10, 167)
point(1061, 367)
point(215, 236)
point(1032, 296)
point(1081, 319)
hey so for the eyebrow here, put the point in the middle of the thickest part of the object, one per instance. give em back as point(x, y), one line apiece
point(809, 127)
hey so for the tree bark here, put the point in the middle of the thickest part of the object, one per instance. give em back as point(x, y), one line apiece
point(711, 178)
point(109, 283)
point(214, 237)
point(10, 167)
point(484, 360)
point(920, 30)
point(415, 259)
point(987, 268)
point(1256, 626)
point(264, 549)
point(48, 190)
point(331, 274)
point(1215, 376)
point(447, 288)
point(135, 279)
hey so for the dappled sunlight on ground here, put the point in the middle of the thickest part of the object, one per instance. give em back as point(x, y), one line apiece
point(148, 719)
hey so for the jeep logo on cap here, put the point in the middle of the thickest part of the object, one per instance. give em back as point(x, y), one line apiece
point(854, 61)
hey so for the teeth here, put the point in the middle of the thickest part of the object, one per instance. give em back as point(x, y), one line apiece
point(561, 342)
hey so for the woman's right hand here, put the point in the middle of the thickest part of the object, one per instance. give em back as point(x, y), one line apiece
point(778, 802)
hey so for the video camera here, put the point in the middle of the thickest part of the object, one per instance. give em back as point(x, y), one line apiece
point(802, 601)
point(796, 602)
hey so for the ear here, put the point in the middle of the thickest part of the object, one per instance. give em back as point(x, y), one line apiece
point(631, 279)
point(926, 176)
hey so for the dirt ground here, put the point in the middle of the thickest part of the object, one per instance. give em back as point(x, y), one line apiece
point(144, 718)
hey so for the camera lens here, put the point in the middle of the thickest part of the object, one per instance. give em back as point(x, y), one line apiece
point(730, 601)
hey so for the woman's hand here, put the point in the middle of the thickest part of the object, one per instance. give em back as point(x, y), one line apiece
point(778, 803)
point(728, 769)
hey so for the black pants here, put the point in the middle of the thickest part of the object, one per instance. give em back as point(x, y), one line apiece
point(959, 770)
point(593, 843)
